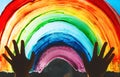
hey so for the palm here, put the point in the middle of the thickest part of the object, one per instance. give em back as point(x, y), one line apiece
point(20, 63)
point(98, 64)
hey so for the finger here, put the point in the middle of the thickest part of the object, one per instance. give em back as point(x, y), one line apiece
point(16, 47)
point(10, 61)
point(9, 52)
point(95, 50)
point(109, 53)
point(103, 50)
point(22, 48)
point(85, 61)
point(110, 59)
point(32, 58)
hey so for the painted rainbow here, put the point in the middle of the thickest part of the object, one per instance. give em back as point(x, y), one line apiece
point(60, 29)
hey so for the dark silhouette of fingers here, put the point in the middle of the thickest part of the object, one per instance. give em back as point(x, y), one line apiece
point(32, 58)
point(9, 52)
point(7, 58)
point(85, 61)
point(109, 53)
point(103, 50)
point(95, 50)
point(22, 48)
point(16, 47)
point(110, 59)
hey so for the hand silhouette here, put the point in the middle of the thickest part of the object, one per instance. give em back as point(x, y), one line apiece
point(98, 64)
point(20, 64)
